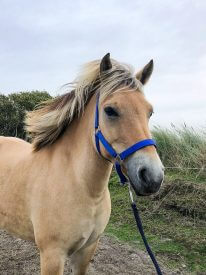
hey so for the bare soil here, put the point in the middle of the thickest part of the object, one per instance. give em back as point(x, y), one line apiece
point(18, 257)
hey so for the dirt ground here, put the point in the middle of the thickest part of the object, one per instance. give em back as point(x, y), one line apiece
point(18, 257)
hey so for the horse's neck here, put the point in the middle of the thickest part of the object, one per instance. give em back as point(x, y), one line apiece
point(91, 169)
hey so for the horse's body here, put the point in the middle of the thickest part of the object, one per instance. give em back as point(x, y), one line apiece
point(57, 195)
point(14, 157)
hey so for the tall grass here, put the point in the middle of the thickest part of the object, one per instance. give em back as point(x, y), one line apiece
point(182, 147)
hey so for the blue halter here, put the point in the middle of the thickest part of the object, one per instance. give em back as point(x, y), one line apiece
point(123, 155)
point(118, 159)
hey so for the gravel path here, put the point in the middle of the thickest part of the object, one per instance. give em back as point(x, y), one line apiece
point(18, 257)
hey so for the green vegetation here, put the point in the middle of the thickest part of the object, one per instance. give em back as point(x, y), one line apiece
point(13, 108)
point(182, 147)
point(175, 219)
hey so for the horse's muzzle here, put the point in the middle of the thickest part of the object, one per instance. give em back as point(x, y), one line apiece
point(145, 173)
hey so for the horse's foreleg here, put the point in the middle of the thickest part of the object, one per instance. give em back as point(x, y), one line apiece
point(52, 261)
point(81, 259)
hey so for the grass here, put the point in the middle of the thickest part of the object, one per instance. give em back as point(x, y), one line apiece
point(175, 219)
point(182, 147)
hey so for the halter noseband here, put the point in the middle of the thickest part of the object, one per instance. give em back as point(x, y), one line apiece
point(99, 137)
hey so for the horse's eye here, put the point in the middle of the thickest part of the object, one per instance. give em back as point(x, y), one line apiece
point(111, 112)
point(151, 113)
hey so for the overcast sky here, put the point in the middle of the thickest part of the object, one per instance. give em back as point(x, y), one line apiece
point(44, 43)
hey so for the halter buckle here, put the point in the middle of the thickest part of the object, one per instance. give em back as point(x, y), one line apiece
point(118, 159)
point(96, 130)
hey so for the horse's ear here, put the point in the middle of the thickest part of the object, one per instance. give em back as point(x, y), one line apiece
point(106, 63)
point(144, 75)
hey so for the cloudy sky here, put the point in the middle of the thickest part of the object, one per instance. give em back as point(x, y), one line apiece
point(44, 43)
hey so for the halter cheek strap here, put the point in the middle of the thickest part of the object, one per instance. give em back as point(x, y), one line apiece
point(99, 137)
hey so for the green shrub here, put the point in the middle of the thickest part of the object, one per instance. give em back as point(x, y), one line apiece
point(13, 108)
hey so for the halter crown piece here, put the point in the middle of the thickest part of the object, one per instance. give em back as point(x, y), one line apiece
point(119, 157)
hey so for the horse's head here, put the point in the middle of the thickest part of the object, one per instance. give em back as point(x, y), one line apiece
point(123, 119)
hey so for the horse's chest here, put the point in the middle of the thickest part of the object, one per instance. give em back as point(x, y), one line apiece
point(87, 236)
point(95, 227)
point(97, 230)
point(91, 228)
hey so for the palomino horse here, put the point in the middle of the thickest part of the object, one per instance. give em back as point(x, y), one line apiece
point(55, 190)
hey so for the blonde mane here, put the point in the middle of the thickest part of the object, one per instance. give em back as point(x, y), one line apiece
point(47, 123)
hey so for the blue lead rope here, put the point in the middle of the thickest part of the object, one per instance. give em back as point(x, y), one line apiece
point(99, 137)
point(141, 231)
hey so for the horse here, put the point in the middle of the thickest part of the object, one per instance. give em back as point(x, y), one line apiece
point(54, 190)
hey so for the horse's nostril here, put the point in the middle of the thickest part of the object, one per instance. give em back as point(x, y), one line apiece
point(142, 174)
